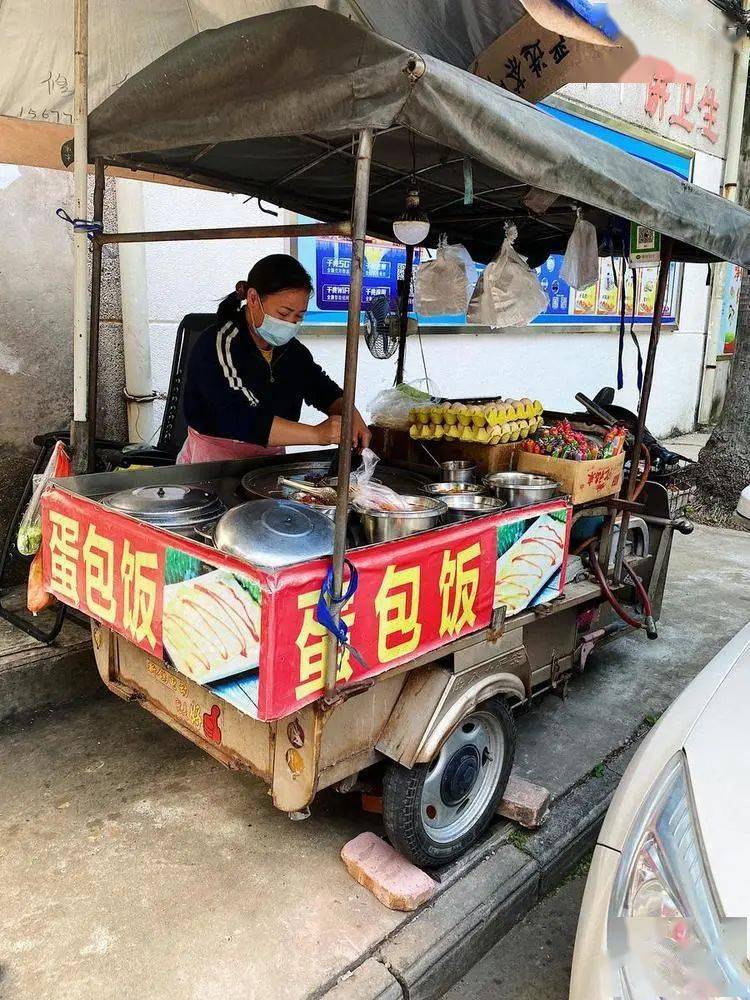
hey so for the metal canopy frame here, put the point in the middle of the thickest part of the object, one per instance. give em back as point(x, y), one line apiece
point(486, 209)
point(356, 230)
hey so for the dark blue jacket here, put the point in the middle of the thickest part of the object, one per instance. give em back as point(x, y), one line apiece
point(233, 392)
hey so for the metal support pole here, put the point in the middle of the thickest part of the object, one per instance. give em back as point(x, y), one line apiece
point(79, 431)
point(359, 231)
point(648, 378)
point(230, 233)
point(96, 296)
point(403, 310)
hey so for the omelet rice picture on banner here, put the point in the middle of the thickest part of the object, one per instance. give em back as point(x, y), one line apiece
point(211, 621)
point(529, 553)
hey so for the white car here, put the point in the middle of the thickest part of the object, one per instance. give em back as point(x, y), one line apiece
point(665, 910)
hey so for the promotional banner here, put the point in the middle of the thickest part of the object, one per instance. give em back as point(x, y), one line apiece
point(254, 638)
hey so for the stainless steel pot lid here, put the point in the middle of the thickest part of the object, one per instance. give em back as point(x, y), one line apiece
point(168, 506)
point(274, 533)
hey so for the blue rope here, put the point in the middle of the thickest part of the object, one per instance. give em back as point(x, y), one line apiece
point(81, 225)
point(339, 629)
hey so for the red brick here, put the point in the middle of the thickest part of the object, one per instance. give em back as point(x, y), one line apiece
point(396, 882)
point(524, 803)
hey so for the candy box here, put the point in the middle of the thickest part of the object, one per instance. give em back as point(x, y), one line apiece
point(582, 481)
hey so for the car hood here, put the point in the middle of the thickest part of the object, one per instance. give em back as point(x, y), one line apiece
point(693, 717)
point(718, 760)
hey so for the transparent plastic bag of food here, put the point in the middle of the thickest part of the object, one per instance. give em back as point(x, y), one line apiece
point(580, 269)
point(29, 536)
point(508, 293)
point(443, 286)
point(373, 495)
point(391, 407)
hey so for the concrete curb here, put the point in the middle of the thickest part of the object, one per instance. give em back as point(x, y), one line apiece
point(50, 678)
point(430, 952)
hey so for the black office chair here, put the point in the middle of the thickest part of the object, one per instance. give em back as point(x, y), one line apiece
point(174, 426)
point(108, 455)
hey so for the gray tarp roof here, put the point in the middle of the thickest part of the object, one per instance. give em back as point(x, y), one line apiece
point(268, 106)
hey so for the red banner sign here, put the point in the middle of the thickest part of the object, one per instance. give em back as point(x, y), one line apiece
point(254, 637)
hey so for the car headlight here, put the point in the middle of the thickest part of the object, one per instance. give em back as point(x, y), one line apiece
point(665, 936)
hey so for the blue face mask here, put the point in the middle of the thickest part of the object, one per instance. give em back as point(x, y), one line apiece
point(274, 331)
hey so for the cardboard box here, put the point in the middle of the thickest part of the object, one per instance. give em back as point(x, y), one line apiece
point(583, 481)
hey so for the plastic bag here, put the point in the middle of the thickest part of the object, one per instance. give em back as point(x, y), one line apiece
point(390, 408)
point(30, 529)
point(37, 598)
point(580, 269)
point(508, 292)
point(442, 286)
point(367, 493)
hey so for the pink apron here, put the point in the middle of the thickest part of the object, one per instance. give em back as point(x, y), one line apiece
point(204, 448)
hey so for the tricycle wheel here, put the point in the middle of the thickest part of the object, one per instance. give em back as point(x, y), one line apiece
point(434, 812)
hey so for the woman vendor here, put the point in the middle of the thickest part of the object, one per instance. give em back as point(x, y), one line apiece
point(248, 375)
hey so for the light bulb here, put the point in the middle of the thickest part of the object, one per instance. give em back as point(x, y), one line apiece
point(411, 231)
point(413, 225)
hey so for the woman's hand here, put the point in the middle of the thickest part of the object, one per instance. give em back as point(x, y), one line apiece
point(360, 431)
point(329, 432)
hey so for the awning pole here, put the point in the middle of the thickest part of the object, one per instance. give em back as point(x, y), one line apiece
point(404, 315)
point(359, 231)
point(648, 378)
point(96, 297)
point(79, 431)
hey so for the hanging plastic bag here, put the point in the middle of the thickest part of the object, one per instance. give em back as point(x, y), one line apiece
point(30, 529)
point(508, 293)
point(442, 286)
point(391, 407)
point(369, 494)
point(37, 598)
point(580, 269)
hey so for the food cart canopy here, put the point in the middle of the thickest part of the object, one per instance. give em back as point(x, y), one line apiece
point(270, 106)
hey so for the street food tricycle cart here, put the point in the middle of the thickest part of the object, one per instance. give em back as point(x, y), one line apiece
point(445, 628)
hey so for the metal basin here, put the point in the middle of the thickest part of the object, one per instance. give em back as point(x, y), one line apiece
point(455, 489)
point(387, 526)
point(459, 471)
point(465, 506)
point(519, 489)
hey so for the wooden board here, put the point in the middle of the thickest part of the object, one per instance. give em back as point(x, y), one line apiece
point(396, 445)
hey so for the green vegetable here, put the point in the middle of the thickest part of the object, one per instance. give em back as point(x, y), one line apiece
point(29, 538)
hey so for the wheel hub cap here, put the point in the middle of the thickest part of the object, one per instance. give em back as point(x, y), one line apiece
point(460, 775)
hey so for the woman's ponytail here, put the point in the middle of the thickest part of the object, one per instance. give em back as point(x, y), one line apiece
point(228, 307)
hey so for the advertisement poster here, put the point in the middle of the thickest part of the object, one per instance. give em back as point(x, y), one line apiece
point(729, 307)
point(558, 291)
point(384, 268)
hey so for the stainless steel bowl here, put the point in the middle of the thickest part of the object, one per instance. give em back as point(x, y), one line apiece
point(519, 489)
point(456, 489)
point(388, 525)
point(459, 471)
point(465, 506)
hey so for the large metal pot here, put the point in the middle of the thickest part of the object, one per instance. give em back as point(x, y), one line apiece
point(388, 525)
point(519, 489)
point(185, 510)
point(274, 533)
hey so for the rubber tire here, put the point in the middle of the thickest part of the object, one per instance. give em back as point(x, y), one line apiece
point(402, 793)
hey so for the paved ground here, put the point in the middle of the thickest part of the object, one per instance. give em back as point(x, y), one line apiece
point(132, 865)
point(688, 445)
point(532, 962)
